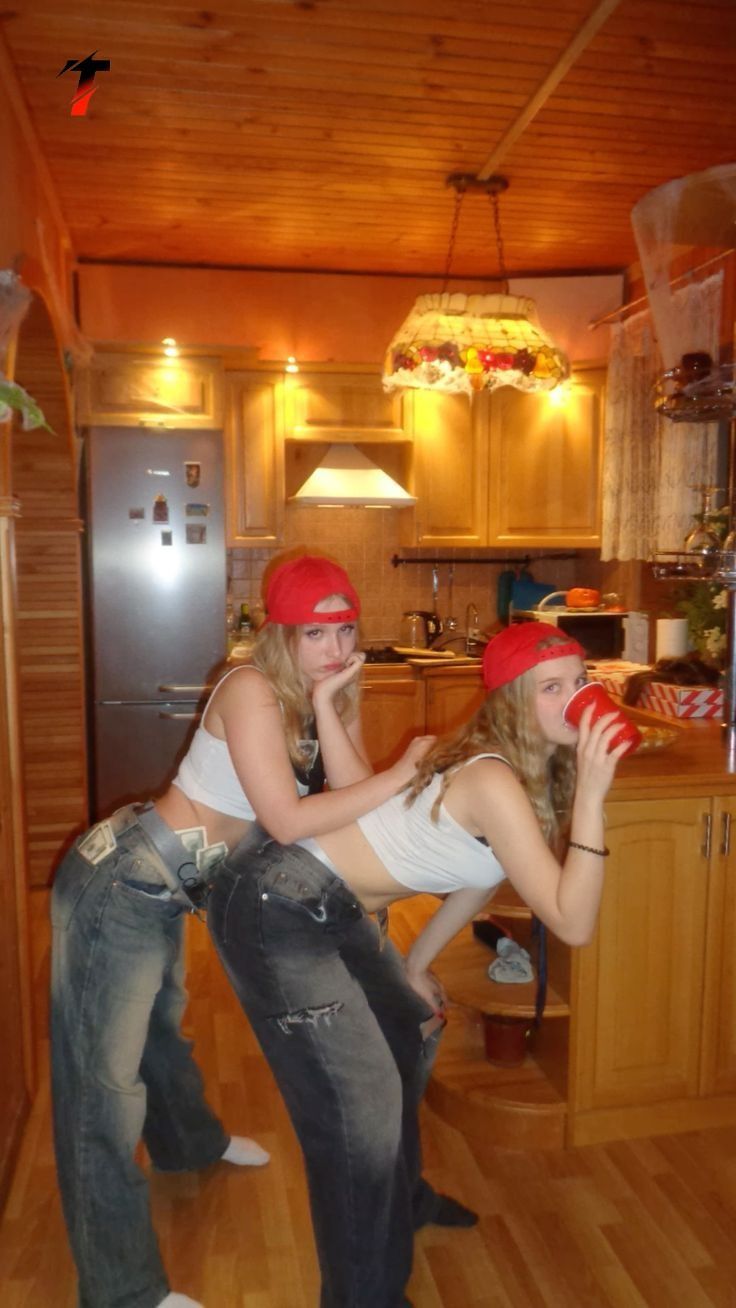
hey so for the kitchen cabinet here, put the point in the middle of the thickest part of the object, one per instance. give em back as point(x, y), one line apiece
point(544, 471)
point(510, 469)
point(639, 987)
point(392, 712)
point(450, 469)
point(133, 390)
point(653, 1040)
point(451, 698)
point(344, 406)
point(254, 458)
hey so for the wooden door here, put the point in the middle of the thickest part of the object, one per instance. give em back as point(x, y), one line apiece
point(392, 710)
point(545, 459)
point(254, 459)
point(450, 469)
point(452, 698)
point(718, 1060)
point(637, 990)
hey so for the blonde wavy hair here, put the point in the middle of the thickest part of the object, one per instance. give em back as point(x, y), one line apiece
point(506, 723)
point(275, 654)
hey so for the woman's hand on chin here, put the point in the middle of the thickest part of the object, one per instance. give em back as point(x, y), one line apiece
point(323, 692)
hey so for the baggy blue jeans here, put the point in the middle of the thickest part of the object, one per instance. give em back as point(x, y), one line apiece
point(339, 1025)
point(120, 1067)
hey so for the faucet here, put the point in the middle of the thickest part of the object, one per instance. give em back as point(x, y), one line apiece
point(471, 619)
point(466, 639)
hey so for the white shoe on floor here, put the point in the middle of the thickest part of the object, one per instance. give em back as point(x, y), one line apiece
point(244, 1152)
point(179, 1301)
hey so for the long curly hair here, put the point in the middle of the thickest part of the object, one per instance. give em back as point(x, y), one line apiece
point(506, 723)
point(275, 654)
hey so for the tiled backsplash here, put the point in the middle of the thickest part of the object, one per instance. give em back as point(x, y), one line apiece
point(364, 541)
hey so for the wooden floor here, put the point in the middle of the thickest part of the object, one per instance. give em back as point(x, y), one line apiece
point(651, 1222)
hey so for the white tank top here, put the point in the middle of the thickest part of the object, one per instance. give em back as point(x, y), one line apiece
point(427, 856)
point(206, 772)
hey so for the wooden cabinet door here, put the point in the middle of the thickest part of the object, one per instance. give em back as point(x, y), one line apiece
point(450, 468)
point(392, 712)
point(339, 406)
point(545, 461)
point(254, 459)
point(120, 390)
point(638, 989)
point(718, 1061)
point(452, 698)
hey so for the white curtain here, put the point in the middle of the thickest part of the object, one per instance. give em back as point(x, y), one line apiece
point(651, 463)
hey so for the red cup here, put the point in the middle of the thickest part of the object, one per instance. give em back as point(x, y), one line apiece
point(596, 694)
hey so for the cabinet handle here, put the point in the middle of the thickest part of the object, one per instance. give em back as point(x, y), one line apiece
point(725, 833)
point(707, 829)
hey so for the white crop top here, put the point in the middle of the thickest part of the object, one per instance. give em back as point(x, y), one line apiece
point(206, 772)
point(427, 856)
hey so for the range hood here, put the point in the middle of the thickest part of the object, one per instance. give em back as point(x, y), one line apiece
point(345, 476)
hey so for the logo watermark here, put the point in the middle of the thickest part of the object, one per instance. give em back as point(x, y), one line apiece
point(87, 69)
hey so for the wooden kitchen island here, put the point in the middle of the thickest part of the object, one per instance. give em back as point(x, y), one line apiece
point(639, 1032)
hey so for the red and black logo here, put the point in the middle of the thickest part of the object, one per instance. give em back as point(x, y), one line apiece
point(87, 68)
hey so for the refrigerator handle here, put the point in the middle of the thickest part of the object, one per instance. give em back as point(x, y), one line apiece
point(191, 717)
point(199, 690)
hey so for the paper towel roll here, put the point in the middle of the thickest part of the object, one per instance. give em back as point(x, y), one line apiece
point(672, 638)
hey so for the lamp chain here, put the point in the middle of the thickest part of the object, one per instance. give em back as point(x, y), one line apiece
point(459, 197)
point(499, 242)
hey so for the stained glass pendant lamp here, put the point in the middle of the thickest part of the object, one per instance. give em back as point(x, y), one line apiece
point(464, 344)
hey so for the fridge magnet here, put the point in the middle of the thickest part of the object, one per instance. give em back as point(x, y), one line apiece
point(137, 514)
point(193, 472)
point(197, 510)
point(196, 533)
point(160, 509)
point(166, 538)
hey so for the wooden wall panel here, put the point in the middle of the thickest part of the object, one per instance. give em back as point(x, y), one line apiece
point(50, 645)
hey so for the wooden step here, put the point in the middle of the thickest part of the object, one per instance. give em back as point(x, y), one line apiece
point(516, 1107)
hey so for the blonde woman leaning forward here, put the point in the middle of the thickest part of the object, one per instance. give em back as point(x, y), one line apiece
point(120, 1067)
point(515, 793)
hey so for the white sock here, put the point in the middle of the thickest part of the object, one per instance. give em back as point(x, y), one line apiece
point(244, 1152)
point(179, 1301)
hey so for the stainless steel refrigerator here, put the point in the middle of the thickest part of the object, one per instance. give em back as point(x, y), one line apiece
point(157, 577)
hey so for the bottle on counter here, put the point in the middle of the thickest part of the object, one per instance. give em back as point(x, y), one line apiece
point(244, 635)
point(245, 625)
point(231, 624)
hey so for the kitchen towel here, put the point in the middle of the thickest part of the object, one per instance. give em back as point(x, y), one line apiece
point(672, 638)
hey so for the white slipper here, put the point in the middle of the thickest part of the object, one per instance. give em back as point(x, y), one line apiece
point(244, 1152)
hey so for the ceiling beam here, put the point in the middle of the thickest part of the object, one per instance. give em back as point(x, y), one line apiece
point(581, 39)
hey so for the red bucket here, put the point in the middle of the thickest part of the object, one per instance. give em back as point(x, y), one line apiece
point(505, 1039)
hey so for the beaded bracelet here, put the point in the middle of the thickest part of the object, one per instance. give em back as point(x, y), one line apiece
point(588, 849)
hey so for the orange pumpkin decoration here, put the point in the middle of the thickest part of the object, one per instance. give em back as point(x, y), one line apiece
point(582, 597)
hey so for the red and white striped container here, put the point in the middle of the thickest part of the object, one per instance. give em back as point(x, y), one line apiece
point(682, 701)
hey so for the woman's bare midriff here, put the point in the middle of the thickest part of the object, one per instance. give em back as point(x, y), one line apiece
point(361, 869)
point(180, 812)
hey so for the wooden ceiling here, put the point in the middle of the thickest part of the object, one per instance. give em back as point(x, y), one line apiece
point(319, 134)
